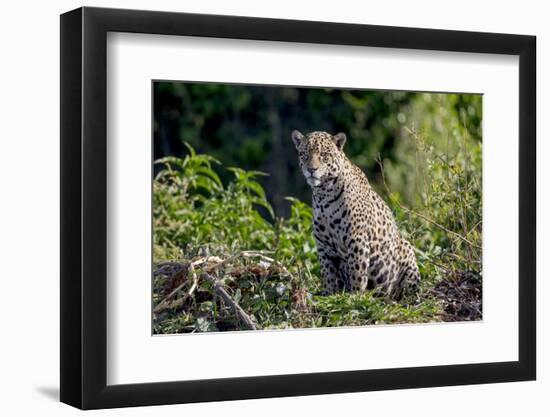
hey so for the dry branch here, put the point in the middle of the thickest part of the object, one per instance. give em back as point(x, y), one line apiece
point(220, 290)
point(218, 263)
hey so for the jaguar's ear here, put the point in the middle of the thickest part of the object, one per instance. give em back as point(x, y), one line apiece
point(297, 138)
point(339, 139)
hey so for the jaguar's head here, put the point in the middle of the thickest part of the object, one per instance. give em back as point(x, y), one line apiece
point(320, 155)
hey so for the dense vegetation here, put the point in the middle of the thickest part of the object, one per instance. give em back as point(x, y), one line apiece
point(219, 232)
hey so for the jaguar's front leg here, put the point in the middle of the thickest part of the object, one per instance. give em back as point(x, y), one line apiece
point(358, 270)
point(332, 280)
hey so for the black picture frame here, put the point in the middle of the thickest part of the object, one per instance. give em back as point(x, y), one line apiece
point(84, 207)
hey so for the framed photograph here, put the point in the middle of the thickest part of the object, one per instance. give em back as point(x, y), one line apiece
point(256, 208)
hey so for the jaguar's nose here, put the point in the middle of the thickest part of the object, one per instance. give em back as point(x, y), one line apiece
point(312, 170)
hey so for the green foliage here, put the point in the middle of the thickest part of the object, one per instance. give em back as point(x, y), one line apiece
point(196, 214)
point(191, 206)
point(361, 309)
point(435, 184)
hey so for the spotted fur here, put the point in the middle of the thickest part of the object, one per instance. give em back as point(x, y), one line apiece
point(358, 242)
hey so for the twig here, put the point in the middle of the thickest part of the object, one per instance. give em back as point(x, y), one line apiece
point(474, 227)
point(195, 283)
point(437, 264)
point(422, 216)
point(462, 259)
point(458, 235)
point(218, 287)
point(244, 253)
point(271, 261)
